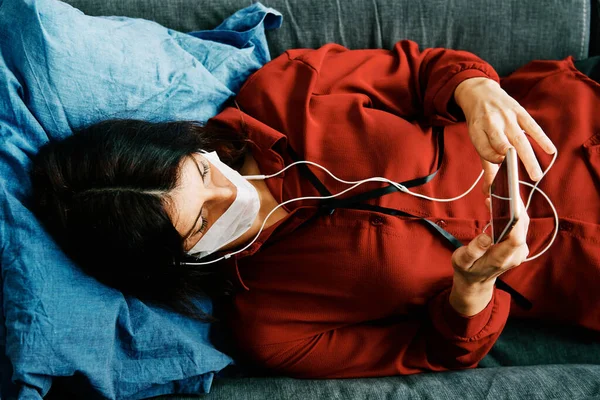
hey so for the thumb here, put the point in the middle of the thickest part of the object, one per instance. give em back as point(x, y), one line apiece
point(465, 256)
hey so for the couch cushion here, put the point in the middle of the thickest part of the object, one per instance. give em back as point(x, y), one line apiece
point(507, 34)
point(530, 342)
point(512, 370)
point(549, 382)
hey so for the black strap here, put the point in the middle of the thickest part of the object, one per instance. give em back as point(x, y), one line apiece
point(362, 197)
point(357, 202)
point(304, 170)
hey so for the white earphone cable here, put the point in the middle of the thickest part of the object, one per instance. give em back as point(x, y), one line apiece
point(380, 179)
point(357, 183)
point(555, 218)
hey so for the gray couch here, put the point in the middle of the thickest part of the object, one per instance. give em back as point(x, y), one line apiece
point(531, 360)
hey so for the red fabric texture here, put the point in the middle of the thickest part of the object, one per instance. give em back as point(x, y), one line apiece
point(360, 293)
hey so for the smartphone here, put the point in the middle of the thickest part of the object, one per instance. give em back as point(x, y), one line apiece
point(504, 200)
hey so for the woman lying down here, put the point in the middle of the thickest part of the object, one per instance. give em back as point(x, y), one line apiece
point(360, 284)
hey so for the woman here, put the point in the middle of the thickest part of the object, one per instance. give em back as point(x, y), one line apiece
point(351, 289)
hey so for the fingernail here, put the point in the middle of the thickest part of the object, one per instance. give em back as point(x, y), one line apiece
point(484, 240)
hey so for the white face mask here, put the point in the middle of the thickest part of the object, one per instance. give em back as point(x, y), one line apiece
point(236, 220)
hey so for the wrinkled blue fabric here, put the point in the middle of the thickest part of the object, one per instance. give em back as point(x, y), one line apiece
point(61, 70)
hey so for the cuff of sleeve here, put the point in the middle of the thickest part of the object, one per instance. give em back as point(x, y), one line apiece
point(455, 325)
point(445, 109)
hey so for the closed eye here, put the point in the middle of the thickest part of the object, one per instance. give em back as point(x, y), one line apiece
point(203, 226)
point(206, 168)
point(204, 223)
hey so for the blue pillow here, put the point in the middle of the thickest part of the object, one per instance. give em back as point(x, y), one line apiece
point(61, 70)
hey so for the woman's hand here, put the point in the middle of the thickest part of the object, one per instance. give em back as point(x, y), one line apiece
point(478, 264)
point(496, 122)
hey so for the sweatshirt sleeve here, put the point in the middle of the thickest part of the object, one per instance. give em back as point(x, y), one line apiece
point(445, 340)
point(406, 81)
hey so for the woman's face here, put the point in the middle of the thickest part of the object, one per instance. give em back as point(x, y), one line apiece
point(202, 196)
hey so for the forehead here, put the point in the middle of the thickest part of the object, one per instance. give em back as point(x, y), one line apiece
point(185, 174)
point(190, 167)
point(184, 204)
point(190, 164)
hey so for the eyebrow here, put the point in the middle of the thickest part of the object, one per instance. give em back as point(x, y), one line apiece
point(187, 236)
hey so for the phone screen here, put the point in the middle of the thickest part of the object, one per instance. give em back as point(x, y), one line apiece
point(500, 203)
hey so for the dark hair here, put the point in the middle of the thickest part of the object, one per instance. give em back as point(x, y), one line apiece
point(102, 194)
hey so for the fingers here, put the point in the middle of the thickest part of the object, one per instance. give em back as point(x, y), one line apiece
point(479, 138)
point(512, 251)
point(465, 256)
point(492, 147)
point(498, 141)
point(480, 261)
point(535, 131)
point(500, 123)
point(509, 260)
point(524, 150)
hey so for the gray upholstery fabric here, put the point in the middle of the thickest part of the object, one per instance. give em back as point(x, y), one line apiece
point(507, 34)
point(531, 383)
point(514, 369)
point(529, 342)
